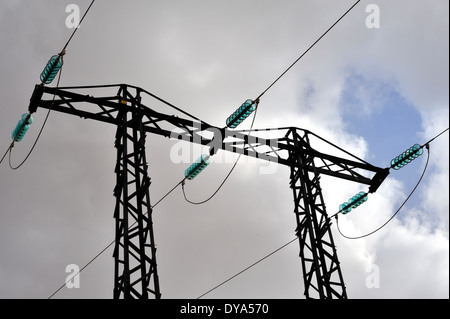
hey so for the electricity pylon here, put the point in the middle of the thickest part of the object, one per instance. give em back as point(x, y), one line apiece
point(135, 274)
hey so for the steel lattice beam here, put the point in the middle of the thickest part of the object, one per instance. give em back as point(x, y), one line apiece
point(105, 108)
point(135, 269)
point(135, 253)
point(322, 274)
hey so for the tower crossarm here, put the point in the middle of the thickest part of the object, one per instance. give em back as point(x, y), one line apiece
point(273, 145)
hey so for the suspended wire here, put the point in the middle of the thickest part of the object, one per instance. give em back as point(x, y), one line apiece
point(251, 266)
point(398, 210)
point(6, 153)
point(153, 206)
point(435, 137)
point(258, 98)
point(307, 50)
point(224, 282)
point(61, 54)
point(37, 138)
point(275, 251)
point(168, 193)
point(81, 269)
point(234, 165)
point(76, 28)
point(111, 243)
point(427, 146)
point(182, 182)
point(40, 131)
point(226, 177)
point(90, 262)
point(217, 190)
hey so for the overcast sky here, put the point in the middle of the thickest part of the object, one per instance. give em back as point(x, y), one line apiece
point(372, 91)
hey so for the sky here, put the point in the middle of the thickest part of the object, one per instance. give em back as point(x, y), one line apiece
point(373, 91)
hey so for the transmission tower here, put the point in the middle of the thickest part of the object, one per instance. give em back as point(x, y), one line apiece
point(135, 274)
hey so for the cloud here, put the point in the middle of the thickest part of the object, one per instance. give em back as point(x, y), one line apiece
point(207, 58)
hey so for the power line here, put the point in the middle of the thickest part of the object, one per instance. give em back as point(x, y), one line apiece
point(307, 50)
point(6, 153)
point(40, 131)
point(404, 158)
point(217, 190)
point(234, 165)
point(435, 137)
point(270, 254)
point(60, 56)
point(81, 269)
point(77, 27)
point(226, 177)
point(251, 266)
point(254, 264)
point(258, 98)
point(337, 222)
point(112, 242)
point(168, 193)
point(153, 206)
point(204, 294)
point(182, 182)
point(398, 210)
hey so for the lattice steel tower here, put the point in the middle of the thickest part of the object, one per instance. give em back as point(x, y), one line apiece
point(135, 274)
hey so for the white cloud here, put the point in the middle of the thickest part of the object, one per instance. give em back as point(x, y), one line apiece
point(58, 208)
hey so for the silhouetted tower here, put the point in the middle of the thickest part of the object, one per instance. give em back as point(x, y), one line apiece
point(135, 274)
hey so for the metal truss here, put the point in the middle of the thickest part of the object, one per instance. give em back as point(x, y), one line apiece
point(126, 107)
point(135, 270)
point(322, 273)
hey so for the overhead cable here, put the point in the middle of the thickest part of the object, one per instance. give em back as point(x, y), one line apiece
point(307, 50)
point(53, 66)
point(247, 268)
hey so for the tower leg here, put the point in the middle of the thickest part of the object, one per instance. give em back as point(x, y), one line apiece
point(322, 273)
point(135, 271)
